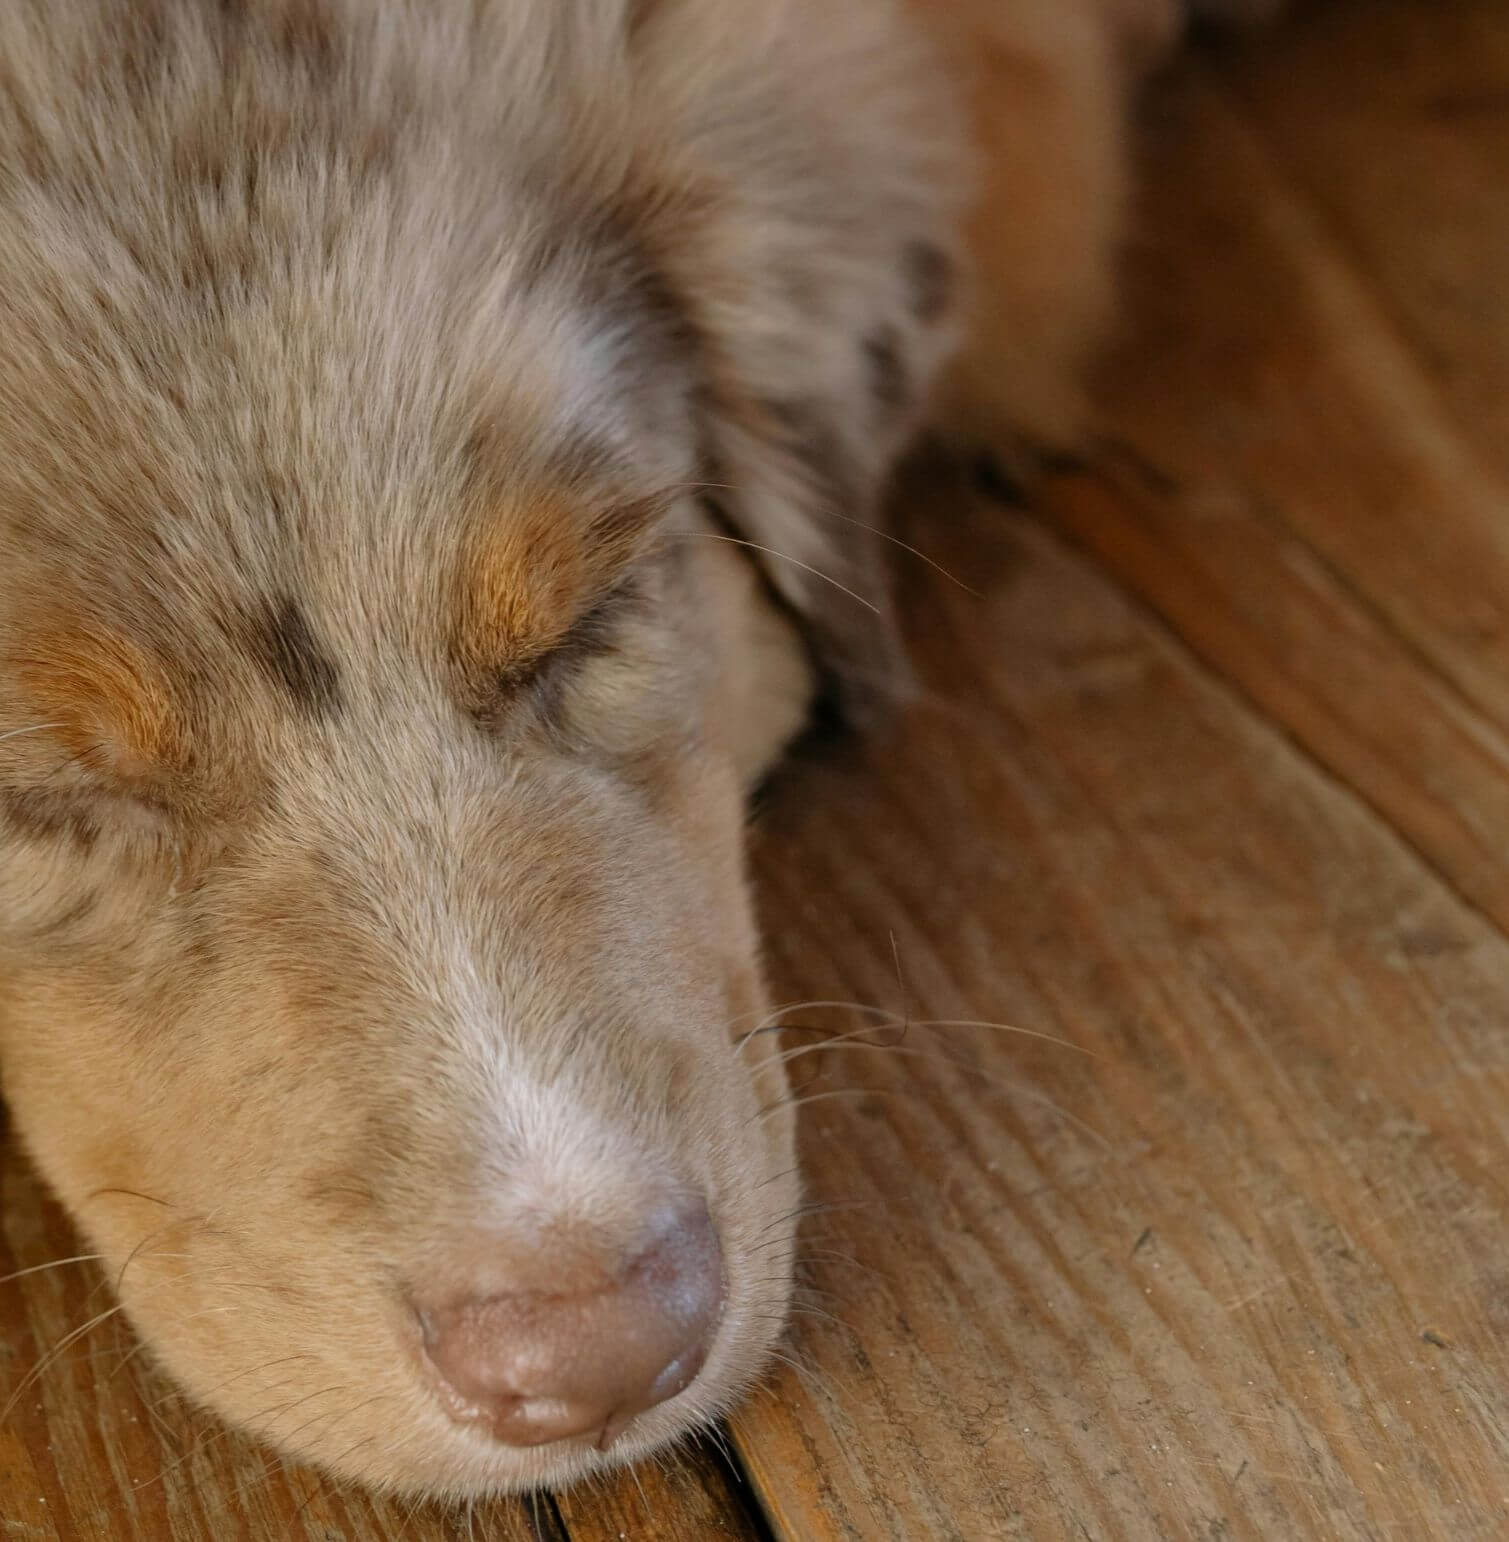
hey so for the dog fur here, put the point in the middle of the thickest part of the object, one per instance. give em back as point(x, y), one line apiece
point(441, 441)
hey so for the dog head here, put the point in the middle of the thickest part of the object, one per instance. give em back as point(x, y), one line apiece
point(376, 943)
point(376, 714)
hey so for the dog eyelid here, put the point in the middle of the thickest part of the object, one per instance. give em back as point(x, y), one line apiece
point(593, 631)
point(543, 675)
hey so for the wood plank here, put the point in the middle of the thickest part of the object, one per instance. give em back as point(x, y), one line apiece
point(1391, 117)
point(688, 1495)
point(1264, 608)
point(1267, 1296)
point(1272, 371)
point(1205, 499)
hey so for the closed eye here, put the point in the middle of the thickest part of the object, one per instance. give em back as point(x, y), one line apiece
point(544, 676)
point(593, 632)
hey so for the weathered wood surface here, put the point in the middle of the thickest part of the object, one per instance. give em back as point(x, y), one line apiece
point(1211, 784)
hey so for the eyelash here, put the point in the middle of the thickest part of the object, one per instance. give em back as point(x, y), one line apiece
point(545, 677)
point(594, 631)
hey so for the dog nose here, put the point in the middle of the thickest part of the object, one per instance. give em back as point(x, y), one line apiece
point(555, 1359)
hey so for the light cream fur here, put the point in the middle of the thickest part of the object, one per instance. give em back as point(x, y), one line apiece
point(438, 446)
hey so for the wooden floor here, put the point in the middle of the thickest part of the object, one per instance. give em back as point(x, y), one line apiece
point(1213, 786)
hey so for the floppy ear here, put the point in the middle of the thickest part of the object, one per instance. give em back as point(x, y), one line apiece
point(782, 491)
point(761, 693)
point(806, 232)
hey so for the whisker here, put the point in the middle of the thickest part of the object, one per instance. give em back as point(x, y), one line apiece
point(265, 1365)
point(819, 1207)
point(832, 1256)
point(771, 1014)
point(899, 1020)
point(906, 1001)
point(355, 1445)
point(770, 551)
point(895, 540)
point(143, 1346)
point(321, 1487)
point(896, 1021)
point(354, 1408)
point(695, 487)
point(151, 1199)
point(644, 1498)
point(908, 1052)
point(1087, 1130)
point(801, 1288)
point(834, 1092)
point(1030, 1033)
point(810, 1377)
point(34, 728)
point(1014, 1088)
point(774, 1020)
point(214, 1437)
point(82, 757)
point(784, 1275)
point(40, 1368)
point(131, 1257)
point(168, 1434)
point(716, 1434)
point(837, 1299)
point(57, 1263)
point(798, 1310)
point(849, 1040)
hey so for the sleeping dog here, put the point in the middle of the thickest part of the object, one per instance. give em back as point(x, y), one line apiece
point(440, 448)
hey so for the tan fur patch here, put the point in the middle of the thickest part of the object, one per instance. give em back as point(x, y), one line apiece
point(529, 572)
point(520, 585)
point(110, 705)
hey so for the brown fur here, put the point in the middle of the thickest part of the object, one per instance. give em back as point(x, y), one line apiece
point(107, 703)
point(440, 449)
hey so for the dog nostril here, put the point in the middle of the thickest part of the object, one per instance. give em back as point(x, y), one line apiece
point(538, 1365)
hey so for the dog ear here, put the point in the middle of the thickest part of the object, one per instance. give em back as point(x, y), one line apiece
point(798, 405)
point(809, 232)
point(782, 488)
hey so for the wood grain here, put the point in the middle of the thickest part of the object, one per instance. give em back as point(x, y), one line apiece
point(1321, 335)
point(692, 1495)
point(1299, 1013)
point(1209, 794)
point(1196, 1301)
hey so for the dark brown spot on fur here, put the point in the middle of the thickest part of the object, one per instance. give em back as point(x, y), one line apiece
point(341, 1193)
point(640, 283)
point(289, 651)
point(929, 273)
point(144, 52)
point(807, 435)
point(887, 369)
point(601, 253)
point(306, 35)
point(39, 817)
point(582, 458)
point(80, 910)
